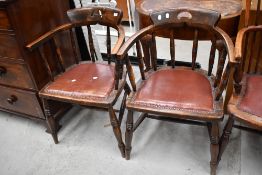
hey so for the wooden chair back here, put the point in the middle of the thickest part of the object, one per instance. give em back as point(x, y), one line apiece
point(80, 17)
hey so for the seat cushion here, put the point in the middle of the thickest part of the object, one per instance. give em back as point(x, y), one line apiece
point(89, 80)
point(176, 88)
point(251, 101)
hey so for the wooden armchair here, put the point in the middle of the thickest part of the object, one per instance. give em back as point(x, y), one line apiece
point(89, 83)
point(245, 104)
point(180, 93)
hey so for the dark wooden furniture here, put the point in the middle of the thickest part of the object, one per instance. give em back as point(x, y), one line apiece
point(229, 9)
point(245, 103)
point(91, 83)
point(22, 73)
point(122, 4)
point(180, 93)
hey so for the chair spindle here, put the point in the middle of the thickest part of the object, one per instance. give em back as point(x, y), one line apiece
point(212, 56)
point(140, 60)
point(130, 72)
point(43, 57)
point(153, 52)
point(257, 12)
point(194, 49)
point(59, 55)
point(251, 50)
point(223, 83)
point(108, 44)
point(91, 43)
point(172, 48)
point(259, 54)
point(220, 65)
point(72, 38)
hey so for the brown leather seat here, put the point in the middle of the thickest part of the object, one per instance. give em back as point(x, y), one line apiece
point(187, 90)
point(251, 102)
point(177, 90)
point(247, 105)
point(97, 83)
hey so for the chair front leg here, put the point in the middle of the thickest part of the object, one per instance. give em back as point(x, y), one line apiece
point(214, 147)
point(116, 130)
point(129, 133)
point(225, 136)
point(51, 123)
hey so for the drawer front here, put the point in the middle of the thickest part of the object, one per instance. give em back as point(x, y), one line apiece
point(15, 74)
point(9, 46)
point(4, 21)
point(20, 101)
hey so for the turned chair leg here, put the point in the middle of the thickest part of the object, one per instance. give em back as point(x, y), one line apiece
point(51, 123)
point(129, 133)
point(117, 130)
point(225, 136)
point(123, 104)
point(214, 147)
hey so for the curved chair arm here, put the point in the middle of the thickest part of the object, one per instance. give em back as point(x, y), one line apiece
point(47, 36)
point(229, 45)
point(131, 41)
point(120, 41)
point(240, 39)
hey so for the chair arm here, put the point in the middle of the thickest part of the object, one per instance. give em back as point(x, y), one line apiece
point(240, 39)
point(120, 41)
point(45, 37)
point(229, 45)
point(133, 39)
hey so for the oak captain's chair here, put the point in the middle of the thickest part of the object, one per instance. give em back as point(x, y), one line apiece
point(90, 83)
point(180, 93)
point(245, 105)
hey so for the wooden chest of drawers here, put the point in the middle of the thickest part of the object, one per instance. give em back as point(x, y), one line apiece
point(22, 73)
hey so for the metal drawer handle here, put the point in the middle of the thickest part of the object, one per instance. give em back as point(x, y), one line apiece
point(2, 71)
point(12, 99)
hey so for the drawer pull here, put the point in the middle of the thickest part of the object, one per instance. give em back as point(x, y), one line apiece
point(2, 71)
point(11, 100)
